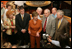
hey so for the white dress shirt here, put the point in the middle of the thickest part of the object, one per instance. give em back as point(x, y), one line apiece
point(22, 15)
point(61, 20)
point(47, 20)
point(57, 43)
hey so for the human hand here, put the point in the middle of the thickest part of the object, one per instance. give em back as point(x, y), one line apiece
point(70, 39)
point(37, 34)
point(3, 30)
point(23, 30)
point(13, 27)
point(49, 37)
point(49, 43)
point(49, 40)
point(29, 32)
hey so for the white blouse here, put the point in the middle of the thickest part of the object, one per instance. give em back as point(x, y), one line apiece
point(57, 43)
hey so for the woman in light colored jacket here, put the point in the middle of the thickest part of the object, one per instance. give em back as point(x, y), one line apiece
point(9, 25)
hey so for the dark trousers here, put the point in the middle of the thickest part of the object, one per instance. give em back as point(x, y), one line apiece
point(12, 38)
point(24, 38)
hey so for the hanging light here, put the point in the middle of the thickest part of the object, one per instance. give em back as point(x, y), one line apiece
point(37, 3)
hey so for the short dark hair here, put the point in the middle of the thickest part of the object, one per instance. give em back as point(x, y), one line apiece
point(8, 5)
point(21, 7)
point(64, 40)
point(34, 14)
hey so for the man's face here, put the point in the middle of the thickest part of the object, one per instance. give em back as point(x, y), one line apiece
point(53, 11)
point(58, 15)
point(9, 7)
point(21, 11)
point(1, 5)
point(39, 12)
point(46, 13)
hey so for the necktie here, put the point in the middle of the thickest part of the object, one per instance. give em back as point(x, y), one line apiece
point(22, 17)
point(12, 25)
point(44, 29)
point(59, 23)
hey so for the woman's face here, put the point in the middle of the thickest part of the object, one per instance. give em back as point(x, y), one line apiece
point(9, 7)
point(35, 17)
point(11, 16)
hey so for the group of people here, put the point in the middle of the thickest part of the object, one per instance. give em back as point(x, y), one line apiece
point(24, 29)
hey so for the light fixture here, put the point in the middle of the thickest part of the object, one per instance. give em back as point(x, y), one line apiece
point(37, 3)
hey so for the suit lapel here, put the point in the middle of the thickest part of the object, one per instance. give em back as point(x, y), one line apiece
point(57, 23)
point(44, 20)
point(20, 17)
point(61, 24)
point(24, 18)
point(48, 21)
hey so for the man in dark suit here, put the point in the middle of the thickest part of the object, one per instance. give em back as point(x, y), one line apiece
point(22, 20)
point(62, 25)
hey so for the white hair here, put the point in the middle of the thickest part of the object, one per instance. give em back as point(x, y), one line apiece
point(61, 12)
point(39, 8)
point(48, 10)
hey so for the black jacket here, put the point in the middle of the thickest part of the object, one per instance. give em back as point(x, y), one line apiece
point(22, 24)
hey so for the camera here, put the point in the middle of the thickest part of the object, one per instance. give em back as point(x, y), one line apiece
point(44, 41)
point(45, 35)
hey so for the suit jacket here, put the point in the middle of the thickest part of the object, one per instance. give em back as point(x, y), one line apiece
point(7, 26)
point(64, 28)
point(22, 24)
point(34, 28)
point(50, 27)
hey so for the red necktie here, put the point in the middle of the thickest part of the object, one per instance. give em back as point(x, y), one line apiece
point(12, 25)
point(44, 29)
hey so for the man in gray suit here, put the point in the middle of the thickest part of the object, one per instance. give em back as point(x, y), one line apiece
point(48, 23)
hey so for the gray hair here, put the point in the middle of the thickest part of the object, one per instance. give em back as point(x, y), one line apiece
point(39, 8)
point(48, 10)
point(61, 12)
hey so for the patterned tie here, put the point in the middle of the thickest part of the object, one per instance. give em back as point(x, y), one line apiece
point(22, 17)
point(59, 23)
point(44, 29)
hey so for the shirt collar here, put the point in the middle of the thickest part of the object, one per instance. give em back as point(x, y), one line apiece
point(61, 19)
point(48, 17)
point(54, 15)
point(22, 15)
